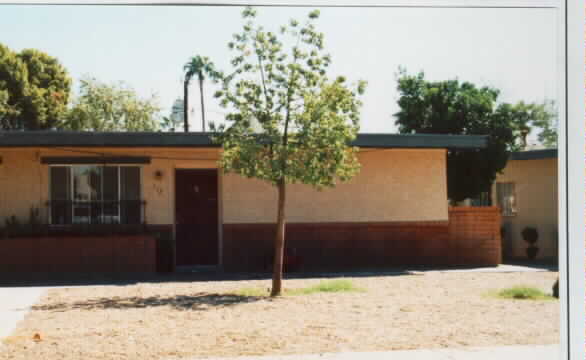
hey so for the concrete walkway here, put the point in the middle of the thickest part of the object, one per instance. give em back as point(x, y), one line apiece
point(14, 304)
point(503, 268)
point(533, 352)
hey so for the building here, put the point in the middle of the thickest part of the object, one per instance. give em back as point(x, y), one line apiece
point(526, 192)
point(85, 194)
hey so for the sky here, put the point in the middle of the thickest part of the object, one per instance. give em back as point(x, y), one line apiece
point(513, 50)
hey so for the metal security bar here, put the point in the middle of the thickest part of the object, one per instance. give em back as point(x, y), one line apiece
point(106, 212)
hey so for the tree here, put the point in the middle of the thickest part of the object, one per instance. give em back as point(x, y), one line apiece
point(524, 117)
point(459, 108)
point(111, 107)
point(547, 122)
point(307, 120)
point(34, 90)
point(202, 67)
point(168, 123)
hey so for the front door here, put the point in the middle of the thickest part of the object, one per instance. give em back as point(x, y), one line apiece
point(196, 216)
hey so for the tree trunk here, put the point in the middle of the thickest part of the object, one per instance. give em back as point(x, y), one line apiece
point(203, 116)
point(279, 242)
point(185, 106)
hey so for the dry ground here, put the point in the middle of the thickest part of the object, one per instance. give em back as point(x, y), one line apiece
point(179, 320)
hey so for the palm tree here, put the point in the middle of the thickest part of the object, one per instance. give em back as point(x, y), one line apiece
point(200, 66)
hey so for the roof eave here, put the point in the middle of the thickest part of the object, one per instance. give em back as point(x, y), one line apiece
point(203, 140)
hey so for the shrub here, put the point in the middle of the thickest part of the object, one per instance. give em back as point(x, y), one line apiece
point(523, 293)
point(327, 286)
point(556, 289)
point(530, 235)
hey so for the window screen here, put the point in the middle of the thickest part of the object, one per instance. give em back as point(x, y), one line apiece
point(95, 194)
point(506, 198)
point(130, 204)
point(60, 193)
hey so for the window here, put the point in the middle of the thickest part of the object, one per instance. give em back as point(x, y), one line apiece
point(506, 198)
point(481, 200)
point(90, 194)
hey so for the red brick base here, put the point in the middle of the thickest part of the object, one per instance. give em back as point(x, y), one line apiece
point(91, 254)
point(475, 235)
point(470, 237)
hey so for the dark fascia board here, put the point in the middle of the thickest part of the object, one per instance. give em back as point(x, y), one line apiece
point(71, 160)
point(426, 141)
point(203, 140)
point(103, 139)
point(535, 154)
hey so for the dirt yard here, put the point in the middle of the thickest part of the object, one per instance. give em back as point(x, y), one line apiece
point(201, 319)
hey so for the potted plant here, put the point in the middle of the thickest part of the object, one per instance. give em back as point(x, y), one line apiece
point(530, 235)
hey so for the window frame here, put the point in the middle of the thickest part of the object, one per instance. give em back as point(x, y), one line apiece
point(71, 189)
point(499, 201)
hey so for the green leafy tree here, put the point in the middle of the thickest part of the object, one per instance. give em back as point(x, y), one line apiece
point(525, 117)
point(305, 120)
point(547, 123)
point(459, 108)
point(200, 66)
point(13, 74)
point(111, 107)
point(34, 90)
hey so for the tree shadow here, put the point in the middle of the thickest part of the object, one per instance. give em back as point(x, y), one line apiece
point(198, 302)
point(119, 279)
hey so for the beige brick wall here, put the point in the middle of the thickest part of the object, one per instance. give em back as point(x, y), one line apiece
point(24, 181)
point(537, 203)
point(393, 185)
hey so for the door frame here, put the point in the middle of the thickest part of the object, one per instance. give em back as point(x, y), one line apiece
point(220, 208)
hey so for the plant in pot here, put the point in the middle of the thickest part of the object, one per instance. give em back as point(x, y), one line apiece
point(530, 235)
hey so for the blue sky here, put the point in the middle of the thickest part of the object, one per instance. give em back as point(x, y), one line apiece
point(146, 47)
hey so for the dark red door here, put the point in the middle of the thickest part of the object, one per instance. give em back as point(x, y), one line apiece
point(196, 216)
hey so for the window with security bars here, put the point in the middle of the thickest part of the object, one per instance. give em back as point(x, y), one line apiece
point(506, 198)
point(90, 194)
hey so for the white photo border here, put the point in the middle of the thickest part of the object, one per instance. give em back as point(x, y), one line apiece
point(571, 69)
point(571, 177)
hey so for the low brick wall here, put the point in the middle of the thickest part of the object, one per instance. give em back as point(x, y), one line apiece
point(470, 237)
point(249, 247)
point(79, 254)
point(475, 236)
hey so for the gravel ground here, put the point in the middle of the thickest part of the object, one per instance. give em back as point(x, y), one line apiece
point(200, 319)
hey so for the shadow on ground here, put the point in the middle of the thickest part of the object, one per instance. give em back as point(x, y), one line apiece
point(77, 279)
point(198, 302)
point(117, 279)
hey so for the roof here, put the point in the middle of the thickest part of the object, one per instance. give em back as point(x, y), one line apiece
point(202, 140)
point(535, 154)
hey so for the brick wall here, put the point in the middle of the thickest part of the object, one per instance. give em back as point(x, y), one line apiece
point(249, 247)
point(475, 236)
point(76, 254)
point(470, 237)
